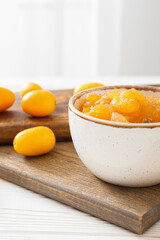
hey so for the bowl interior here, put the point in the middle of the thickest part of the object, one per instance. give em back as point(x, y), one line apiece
point(77, 100)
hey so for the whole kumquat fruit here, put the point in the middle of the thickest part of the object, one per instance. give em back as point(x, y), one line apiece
point(86, 86)
point(34, 141)
point(7, 98)
point(38, 103)
point(31, 86)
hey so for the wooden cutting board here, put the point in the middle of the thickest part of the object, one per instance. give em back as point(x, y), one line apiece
point(61, 175)
point(15, 120)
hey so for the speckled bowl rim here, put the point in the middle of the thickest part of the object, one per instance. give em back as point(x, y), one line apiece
point(111, 123)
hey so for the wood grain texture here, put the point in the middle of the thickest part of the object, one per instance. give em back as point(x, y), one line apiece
point(31, 216)
point(15, 120)
point(61, 175)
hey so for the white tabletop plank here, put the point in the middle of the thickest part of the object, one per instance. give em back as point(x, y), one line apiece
point(25, 215)
point(59, 82)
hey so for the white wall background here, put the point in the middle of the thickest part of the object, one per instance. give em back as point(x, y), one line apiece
point(79, 38)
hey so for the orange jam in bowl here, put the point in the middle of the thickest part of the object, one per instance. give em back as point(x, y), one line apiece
point(130, 106)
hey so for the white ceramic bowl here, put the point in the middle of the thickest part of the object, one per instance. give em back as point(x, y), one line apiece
point(126, 154)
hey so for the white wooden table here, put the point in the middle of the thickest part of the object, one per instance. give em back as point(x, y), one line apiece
point(25, 215)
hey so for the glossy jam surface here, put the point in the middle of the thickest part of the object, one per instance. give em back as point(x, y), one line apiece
point(128, 106)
